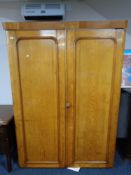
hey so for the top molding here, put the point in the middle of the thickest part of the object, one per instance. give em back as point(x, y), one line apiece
point(117, 24)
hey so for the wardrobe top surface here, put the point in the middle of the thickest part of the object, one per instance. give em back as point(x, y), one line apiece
point(119, 24)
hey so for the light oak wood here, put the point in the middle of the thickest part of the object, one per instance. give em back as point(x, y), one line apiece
point(40, 123)
point(92, 76)
point(63, 25)
point(66, 90)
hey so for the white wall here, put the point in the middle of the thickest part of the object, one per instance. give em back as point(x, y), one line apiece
point(5, 90)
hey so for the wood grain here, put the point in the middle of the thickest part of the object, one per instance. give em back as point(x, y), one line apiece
point(41, 97)
point(94, 69)
point(120, 44)
point(91, 65)
point(66, 90)
point(63, 25)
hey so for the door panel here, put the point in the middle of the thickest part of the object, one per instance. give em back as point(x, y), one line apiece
point(41, 68)
point(91, 65)
point(94, 68)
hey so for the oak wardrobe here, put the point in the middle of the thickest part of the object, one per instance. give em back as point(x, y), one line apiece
point(66, 79)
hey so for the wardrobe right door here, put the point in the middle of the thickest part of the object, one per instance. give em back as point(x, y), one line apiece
point(94, 63)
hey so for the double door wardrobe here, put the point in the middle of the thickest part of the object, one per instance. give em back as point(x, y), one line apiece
point(66, 79)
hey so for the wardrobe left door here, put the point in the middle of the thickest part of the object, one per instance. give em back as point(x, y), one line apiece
point(37, 66)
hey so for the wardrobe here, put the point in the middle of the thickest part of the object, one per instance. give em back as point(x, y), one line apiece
point(66, 79)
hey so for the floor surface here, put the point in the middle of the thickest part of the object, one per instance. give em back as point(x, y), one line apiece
point(121, 167)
